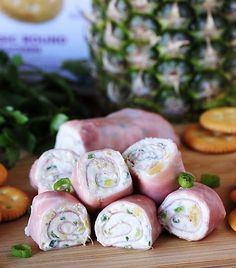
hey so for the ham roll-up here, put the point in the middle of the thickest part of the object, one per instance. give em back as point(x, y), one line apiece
point(101, 177)
point(52, 166)
point(130, 222)
point(191, 213)
point(155, 165)
point(58, 220)
point(116, 131)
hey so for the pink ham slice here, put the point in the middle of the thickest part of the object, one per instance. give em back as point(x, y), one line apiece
point(130, 222)
point(101, 177)
point(192, 213)
point(58, 220)
point(52, 166)
point(154, 164)
point(116, 131)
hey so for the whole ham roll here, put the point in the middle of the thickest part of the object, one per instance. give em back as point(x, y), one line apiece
point(192, 213)
point(52, 166)
point(116, 131)
point(155, 165)
point(58, 220)
point(101, 177)
point(130, 222)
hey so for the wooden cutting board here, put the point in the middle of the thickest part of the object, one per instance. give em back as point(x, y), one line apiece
point(216, 250)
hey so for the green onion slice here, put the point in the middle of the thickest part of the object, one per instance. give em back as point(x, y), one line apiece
point(63, 185)
point(57, 121)
point(186, 180)
point(21, 251)
point(210, 180)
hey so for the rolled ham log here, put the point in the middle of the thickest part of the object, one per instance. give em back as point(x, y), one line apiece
point(52, 166)
point(116, 131)
point(192, 213)
point(101, 177)
point(130, 222)
point(58, 220)
point(155, 165)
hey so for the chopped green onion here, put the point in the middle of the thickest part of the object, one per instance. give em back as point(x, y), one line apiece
point(104, 217)
point(179, 209)
point(21, 251)
point(63, 185)
point(19, 117)
point(53, 243)
point(90, 156)
point(54, 235)
point(210, 180)
point(57, 121)
point(186, 180)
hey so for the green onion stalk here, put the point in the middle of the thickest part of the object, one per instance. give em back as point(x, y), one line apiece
point(33, 104)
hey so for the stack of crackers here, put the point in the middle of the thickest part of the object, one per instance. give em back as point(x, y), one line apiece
point(215, 132)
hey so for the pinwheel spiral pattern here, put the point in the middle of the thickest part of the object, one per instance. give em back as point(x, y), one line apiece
point(191, 213)
point(101, 177)
point(58, 220)
point(128, 223)
point(155, 165)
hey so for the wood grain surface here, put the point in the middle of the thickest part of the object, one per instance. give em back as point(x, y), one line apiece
point(216, 250)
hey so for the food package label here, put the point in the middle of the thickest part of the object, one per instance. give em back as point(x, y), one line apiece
point(45, 32)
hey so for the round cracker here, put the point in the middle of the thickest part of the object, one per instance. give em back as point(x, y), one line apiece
point(13, 203)
point(3, 174)
point(207, 141)
point(220, 119)
point(32, 10)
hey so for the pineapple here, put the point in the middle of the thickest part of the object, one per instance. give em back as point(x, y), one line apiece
point(175, 57)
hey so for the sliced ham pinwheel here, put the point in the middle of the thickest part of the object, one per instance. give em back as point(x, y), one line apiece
point(101, 177)
point(192, 213)
point(116, 131)
point(130, 222)
point(155, 165)
point(58, 220)
point(52, 166)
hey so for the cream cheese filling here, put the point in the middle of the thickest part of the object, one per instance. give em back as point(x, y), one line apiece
point(185, 217)
point(150, 156)
point(65, 226)
point(124, 225)
point(55, 165)
point(106, 173)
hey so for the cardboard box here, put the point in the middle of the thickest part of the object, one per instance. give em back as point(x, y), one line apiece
point(48, 38)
